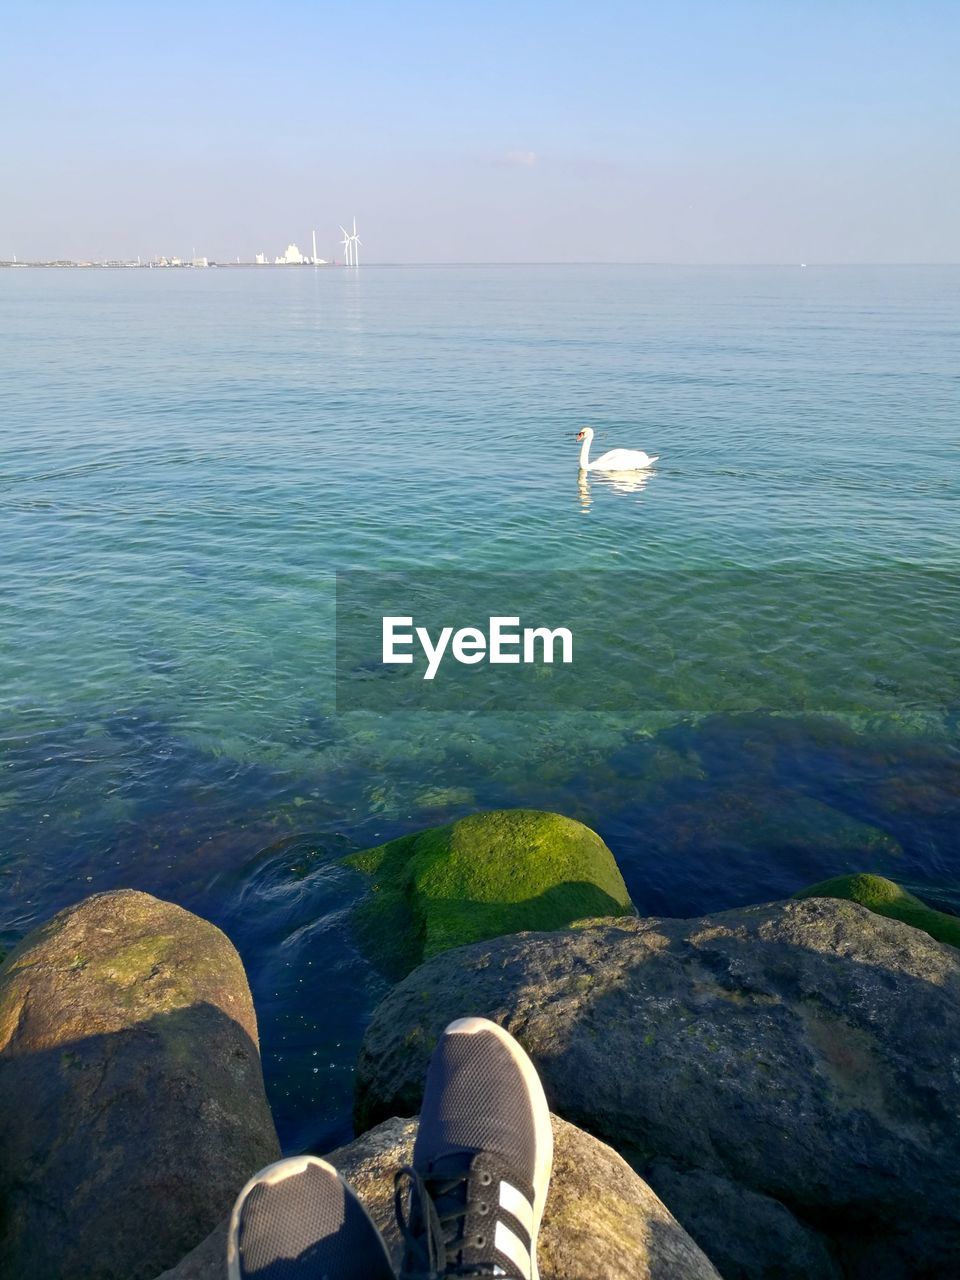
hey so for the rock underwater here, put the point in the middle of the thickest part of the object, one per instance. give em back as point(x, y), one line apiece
point(797, 1058)
point(601, 1222)
point(132, 1107)
point(483, 876)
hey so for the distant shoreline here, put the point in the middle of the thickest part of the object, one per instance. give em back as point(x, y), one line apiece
point(68, 264)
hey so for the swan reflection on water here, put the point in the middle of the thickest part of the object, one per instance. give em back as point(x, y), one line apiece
point(618, 481)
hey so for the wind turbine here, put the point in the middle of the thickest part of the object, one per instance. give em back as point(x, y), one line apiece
point(347, 243)
point(356, 242)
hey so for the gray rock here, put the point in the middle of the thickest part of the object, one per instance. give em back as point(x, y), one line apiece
point(748, 1235)
point(806, 1051)
point(602, 1222)
point(208, 1261)
point(131, 1097)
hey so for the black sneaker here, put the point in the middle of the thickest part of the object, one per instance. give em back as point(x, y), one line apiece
point(299, 1220)
point(481, 1161)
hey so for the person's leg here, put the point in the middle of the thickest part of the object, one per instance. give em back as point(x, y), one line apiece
point(472, 1201)
point(299, 1220)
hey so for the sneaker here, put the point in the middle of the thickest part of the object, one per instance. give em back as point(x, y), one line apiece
point(481, 1160)
point(299, 1220)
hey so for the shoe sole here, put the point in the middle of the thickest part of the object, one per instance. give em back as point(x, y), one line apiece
point(542, 1128)
point(272, 1176)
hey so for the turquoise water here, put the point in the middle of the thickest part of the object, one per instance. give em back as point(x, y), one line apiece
point(189, 457)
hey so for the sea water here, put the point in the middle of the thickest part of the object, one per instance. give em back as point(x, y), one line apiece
point(188, 458)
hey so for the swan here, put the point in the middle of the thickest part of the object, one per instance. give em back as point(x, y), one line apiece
point(614, 459)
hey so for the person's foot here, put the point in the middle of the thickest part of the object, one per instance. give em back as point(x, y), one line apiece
point(299, 1220)
point(481, 1160)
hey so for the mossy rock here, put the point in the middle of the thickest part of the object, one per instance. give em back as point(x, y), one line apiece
point(486, 875)
point(888, 899)
point(130, 1089)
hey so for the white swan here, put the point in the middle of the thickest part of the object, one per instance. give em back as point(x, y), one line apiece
point(615, 459)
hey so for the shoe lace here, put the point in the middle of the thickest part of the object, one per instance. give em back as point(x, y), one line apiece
point(432, 1224)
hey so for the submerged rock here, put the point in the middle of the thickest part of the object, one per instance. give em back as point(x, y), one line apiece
point(131, 1097)
point(886, 898)
point(486, 875)
point(799, 1050)
point(601, 1220)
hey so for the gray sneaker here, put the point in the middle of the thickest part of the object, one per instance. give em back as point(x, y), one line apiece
point(472, 1201)
point(299, 1220)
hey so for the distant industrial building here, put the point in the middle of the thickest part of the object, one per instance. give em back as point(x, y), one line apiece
point(292, 257)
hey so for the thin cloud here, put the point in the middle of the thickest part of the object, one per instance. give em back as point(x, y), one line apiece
point(518, 159)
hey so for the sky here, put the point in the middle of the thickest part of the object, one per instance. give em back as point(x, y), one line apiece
point(721, 132)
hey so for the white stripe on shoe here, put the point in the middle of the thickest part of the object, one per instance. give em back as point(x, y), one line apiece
point(518, 1206)
point(511, 1246)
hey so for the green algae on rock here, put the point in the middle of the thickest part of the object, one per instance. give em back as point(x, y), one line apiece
point(887, 898)
point(488, 874)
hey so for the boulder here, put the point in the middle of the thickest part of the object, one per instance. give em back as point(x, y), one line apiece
point(132, 1106)
point(486, 875)
point(748, 1236)
point(799, 1050)
point(887, 898)
point(602, 1222)
point(208, 1261)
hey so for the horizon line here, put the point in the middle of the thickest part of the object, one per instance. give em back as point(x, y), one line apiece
point(585, 262)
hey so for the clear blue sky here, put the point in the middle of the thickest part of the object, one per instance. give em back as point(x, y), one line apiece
point(771, 131)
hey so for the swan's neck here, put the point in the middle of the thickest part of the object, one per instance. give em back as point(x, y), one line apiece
point(585, 455)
